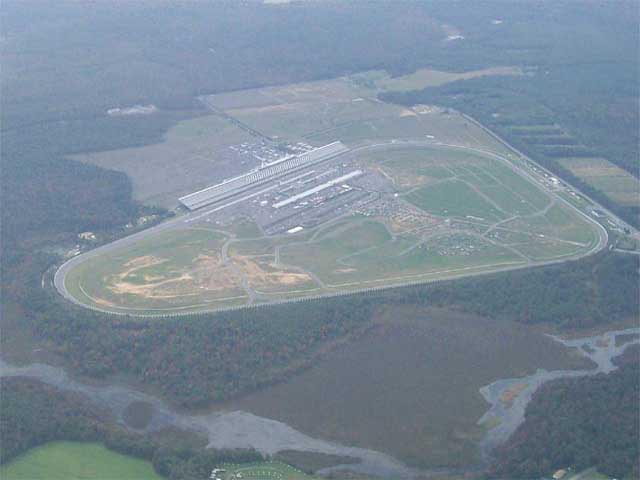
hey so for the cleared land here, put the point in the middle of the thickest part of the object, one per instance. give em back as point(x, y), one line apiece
point(193, 152)
point(617, 184)
point(446, 199)
point(72, 460)
point(425, 77)
point(200, 151)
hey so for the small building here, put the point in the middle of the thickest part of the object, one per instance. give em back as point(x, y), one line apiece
point(559, 474)
point(90, 236)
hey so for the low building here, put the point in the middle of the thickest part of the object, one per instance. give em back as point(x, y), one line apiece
point(559, 474)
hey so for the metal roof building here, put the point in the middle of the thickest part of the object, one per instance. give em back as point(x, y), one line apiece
point(269, 172)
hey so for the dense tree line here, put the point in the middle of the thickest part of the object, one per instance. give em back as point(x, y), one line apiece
point(34, 413)
point(576, 295)
point(144, 52)
point(198, 359)
point(579, 423)
point(51, 202)
point(107, 56)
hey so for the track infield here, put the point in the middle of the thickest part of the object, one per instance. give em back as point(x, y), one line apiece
point(456, 212)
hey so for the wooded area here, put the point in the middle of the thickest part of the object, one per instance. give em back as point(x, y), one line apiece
point(55, 106)
point(34, 413)
point(579, 423)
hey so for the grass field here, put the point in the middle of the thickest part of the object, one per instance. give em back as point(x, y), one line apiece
point(424, 78)
point(271, 470)
point(589, 474)
point(76, 461)
point(617, 184)
point(172, 270)
point(191, 155)
point(454, 199)
point(457, 212)
point(347, 109)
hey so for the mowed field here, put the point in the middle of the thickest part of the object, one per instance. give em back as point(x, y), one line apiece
point(616, 183)
point(426, 416)
point(347, 109)
point(456, 212)
point(191, 156)
point(271, 470)
point(76, 461)
point(423, 78)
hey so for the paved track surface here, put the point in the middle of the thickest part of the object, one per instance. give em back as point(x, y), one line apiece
point(184, 221)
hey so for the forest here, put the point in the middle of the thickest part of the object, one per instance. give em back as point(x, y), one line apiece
point(34, 413)
point(579, 423)
point(61, 73)
point(58, 108)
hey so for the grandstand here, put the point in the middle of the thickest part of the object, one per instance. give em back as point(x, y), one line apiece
point(318, 188)
point(236, 185)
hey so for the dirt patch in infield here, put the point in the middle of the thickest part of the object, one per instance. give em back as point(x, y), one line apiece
point(205, 273)
point(102, 302)
point(408, 113)
point(266, 274)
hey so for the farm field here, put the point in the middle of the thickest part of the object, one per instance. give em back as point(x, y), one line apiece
point(75, 460)
point(426, 416)
point(425, 77)
point(616, 183)
point(455, 212)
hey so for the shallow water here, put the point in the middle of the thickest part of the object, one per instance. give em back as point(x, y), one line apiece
point(507, 416)
point(234, 429)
